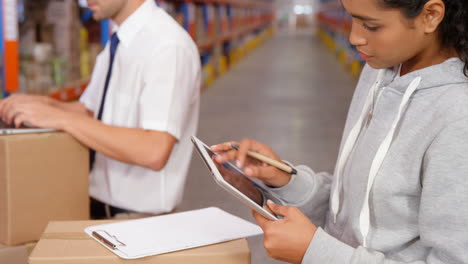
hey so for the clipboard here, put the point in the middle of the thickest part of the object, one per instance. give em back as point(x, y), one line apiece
point(168, 233)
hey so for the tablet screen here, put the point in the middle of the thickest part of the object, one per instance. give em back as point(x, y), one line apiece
point(236, 179)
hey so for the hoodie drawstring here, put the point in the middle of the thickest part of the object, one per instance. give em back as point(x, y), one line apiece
point(349, 145)
point(364, 217)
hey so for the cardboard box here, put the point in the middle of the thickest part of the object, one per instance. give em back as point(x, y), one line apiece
point(43, 177)
point(15, 255)
point(67, 243)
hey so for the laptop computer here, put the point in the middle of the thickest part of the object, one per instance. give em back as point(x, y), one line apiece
point(6, 129)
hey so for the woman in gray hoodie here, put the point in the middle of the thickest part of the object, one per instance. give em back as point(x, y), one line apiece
point(399, 193)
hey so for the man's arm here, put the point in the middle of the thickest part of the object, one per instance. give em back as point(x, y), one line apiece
point(74, 107)
point(147, 148)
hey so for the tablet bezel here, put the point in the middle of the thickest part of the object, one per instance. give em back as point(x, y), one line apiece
point(200, 147)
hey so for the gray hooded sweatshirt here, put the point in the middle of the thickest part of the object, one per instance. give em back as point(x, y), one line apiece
point(399, 193)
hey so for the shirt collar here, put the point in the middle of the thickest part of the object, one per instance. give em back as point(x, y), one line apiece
point(130, 27)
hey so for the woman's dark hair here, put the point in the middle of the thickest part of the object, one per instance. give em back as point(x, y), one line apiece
point(454, 26)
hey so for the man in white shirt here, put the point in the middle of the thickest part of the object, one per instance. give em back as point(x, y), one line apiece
point(138, 112)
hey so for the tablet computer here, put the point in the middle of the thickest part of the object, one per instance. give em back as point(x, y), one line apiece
point(232, 179)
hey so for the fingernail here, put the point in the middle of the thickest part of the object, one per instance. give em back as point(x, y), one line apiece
point(269, 202)
point(249, 172)
point(238, 163)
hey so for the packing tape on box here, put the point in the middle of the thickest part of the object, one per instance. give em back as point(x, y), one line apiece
point(66, 236)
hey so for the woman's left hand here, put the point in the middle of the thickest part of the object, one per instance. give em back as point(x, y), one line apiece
point(286, 239)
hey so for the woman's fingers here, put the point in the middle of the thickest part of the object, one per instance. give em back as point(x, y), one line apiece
point(223, 146)
point(226, 156)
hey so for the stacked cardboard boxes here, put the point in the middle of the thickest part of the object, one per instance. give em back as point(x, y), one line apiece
point(43, 177)
point(51, 46)
point(63, 16)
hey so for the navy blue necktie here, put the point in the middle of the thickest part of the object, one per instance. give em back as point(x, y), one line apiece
point(113, 49)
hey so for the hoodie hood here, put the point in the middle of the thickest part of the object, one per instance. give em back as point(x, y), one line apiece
point(431, 77)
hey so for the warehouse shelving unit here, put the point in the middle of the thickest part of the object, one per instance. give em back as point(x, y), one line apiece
point(224, 30)
point(334, 27)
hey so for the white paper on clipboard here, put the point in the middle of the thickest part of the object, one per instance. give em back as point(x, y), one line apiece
point(168, 233)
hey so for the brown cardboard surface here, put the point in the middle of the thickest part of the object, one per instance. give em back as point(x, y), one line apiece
point(67, 243)
point(43, 177)
point(15, 255)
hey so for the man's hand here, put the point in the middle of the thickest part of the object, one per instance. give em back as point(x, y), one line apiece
point(20, 99)
point(286, 239)
point(36, 114)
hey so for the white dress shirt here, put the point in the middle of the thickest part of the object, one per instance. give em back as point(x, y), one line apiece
point(155, 85)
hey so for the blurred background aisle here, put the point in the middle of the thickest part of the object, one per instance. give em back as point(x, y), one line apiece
point(290, 94)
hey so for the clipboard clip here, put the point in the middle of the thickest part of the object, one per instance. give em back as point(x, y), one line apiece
point(106, 241)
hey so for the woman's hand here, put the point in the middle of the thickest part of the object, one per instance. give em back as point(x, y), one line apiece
point(252, 167)
point(286, 239)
